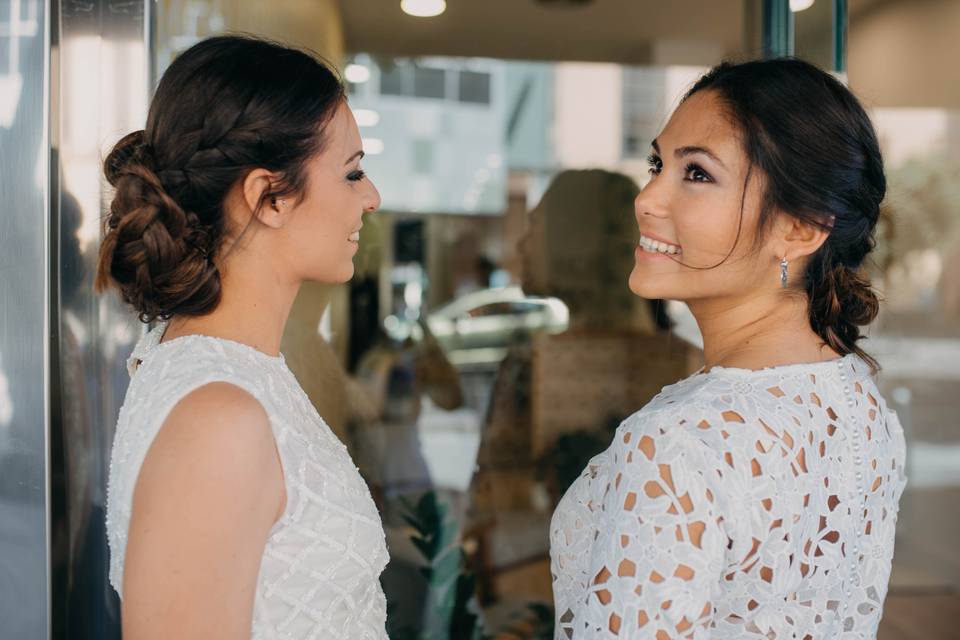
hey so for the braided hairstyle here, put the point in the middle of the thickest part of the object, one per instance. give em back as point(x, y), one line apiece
point(225, 106)
point(818, 153)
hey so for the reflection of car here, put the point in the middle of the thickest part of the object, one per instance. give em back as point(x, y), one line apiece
point(479, 326)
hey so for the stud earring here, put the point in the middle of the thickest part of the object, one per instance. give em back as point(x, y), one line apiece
point(783, 272)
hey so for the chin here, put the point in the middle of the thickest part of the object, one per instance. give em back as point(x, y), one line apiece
point(340, 276)
point(347, 274)
point(646, 288)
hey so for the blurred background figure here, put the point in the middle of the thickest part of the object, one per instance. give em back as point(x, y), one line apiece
point(557, 396)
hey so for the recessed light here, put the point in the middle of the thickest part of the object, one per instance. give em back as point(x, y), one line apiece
point(366, 117)
point(356, 73)
point(423, 8)
point(373, 146)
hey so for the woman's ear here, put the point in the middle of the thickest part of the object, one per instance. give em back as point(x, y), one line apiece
point(273, 211)
point(799, 239)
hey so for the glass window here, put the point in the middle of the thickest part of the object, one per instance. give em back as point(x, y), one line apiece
point(392, 80)
point(487, 405)
point(422, 156)
point(474, 87)
point(429, 83)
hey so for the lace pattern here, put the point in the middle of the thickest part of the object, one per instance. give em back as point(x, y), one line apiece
point(319, 575)
point(737, 504)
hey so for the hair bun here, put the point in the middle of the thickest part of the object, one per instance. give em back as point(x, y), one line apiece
point(156, 253)
point(859, 302)
point(841, 301)
point(129, 150)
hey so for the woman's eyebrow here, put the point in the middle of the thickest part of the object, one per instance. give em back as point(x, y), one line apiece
point(690, 150)
point(358, 154)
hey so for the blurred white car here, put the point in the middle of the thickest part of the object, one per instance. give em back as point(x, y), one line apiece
point(480, 326)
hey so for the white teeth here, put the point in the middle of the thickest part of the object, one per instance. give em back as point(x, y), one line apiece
point(354, 237)
point(655, 246)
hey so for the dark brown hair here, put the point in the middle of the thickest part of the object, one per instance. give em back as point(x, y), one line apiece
point(820, 161)
point(226, 106)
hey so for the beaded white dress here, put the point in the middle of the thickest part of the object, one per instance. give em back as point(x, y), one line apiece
point(319, 575)
point(792, 475)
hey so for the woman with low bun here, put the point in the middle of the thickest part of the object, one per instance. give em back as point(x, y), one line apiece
point(233, 510)
point(757, 498)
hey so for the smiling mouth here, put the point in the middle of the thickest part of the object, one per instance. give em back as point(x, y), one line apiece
point(354, 237)
point(655, 246)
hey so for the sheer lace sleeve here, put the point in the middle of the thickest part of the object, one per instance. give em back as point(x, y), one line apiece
point(658, 555)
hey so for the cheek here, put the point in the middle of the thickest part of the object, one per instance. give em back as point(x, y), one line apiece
point(329, 212)
point(707, 229)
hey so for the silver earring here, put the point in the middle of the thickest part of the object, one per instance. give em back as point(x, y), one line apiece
point(783, 272)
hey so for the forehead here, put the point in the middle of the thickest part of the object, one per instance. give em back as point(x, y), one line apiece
point(341, 140)
point(342, 133)
point(702, 121)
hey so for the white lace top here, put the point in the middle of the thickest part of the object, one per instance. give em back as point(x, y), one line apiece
point(319, 576)
point(792, 477)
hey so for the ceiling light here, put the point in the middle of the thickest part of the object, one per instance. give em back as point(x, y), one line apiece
point(366, 117)
point(423, 8)
point(800, 5)
point(357, 73)
point(372, 146)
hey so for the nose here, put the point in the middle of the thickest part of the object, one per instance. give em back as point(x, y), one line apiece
point(651, 201)
point(371, 200)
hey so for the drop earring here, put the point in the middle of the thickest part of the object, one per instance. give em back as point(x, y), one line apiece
point(783, 272)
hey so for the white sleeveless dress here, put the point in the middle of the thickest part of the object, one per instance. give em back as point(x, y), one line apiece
point(319, 575)
point(794, 475)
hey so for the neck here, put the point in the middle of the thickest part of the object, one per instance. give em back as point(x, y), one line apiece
point(763, 331)
point(253, 309)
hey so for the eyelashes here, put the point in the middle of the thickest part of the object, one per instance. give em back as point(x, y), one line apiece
point(356, 176)
point(692, 171)
point(656, 164)
point(695, 173)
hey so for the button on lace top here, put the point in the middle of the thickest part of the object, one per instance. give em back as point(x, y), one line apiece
point(737, 504)
point(319, 575)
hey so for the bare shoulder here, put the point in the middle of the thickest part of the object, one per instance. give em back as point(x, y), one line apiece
point(216, 439)
point(207, 496)
point(220, 427)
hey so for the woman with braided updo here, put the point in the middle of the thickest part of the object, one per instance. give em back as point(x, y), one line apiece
point(233, 510)
point(758, 497)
